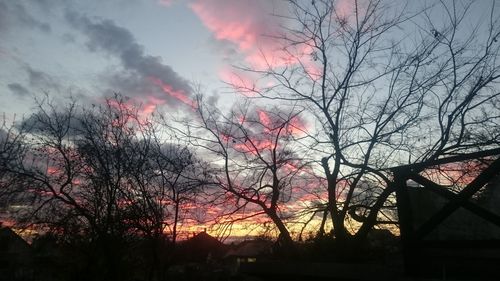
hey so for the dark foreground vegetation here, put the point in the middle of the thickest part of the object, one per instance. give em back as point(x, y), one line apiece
point(201, 257)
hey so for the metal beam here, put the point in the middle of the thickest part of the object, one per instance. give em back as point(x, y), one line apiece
point(458, 201)
point(442, 191)
point(457, 158)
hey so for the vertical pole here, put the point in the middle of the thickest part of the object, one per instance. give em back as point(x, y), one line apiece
point(405, 218)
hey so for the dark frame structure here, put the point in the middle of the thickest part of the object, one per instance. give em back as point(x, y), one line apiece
point(476, 259)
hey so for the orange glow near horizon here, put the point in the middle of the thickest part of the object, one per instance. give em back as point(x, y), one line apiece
point(237, 228)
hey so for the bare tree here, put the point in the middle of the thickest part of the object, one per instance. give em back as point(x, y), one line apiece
point(182, 175)
point(388, 84)
point(100, 175)
point(254, 151)
point(11, 148)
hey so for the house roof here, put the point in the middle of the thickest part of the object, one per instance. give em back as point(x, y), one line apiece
point(201, 246)
point(203, 239)
point(251, 248)
point(11, 242)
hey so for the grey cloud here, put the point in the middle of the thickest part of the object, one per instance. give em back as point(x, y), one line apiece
point(18, 89)
point(226, 48)
point(37, 122)
point(68, 38)
point(38, 81)
point(129, 82)
point(48, 5)
point(3, 15)
point(41, 80)
point(3, 135)
point(14, 13)
point(106, 36)
point(213, 99)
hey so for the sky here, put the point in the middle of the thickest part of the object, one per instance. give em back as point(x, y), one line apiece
point(155, 51)
point(158, 52)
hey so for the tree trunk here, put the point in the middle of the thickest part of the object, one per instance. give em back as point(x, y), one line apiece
point(284, 239)
point(323, 222)
point(176, 219)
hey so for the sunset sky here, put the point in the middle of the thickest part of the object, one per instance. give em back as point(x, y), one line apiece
point(160, 53)
point(153, 51)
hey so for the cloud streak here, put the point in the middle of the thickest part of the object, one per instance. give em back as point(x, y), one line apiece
point(146, 76)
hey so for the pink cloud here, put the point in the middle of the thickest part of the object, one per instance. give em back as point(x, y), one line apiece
point(262, 130)
point(149, 103)
point(297, 126)
point(252, 27)
point(248, 24)
point(169, 90)
point(265, 120)
point(166, 3)
point(240, 22)
point(345, 8)
point(51, 170)
point(145, 105)
point(243, 82)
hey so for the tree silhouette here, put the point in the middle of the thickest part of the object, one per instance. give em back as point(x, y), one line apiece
point(98, 175)
point(255, 152)
point(388, 84)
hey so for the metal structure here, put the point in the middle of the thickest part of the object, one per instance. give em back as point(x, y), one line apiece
point(470, 258)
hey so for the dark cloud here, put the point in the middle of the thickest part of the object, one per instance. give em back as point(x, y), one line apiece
point(13, 14)
point(18, 89)
point(37, 123)
point(213, 98)
point(41, 80)
point(140, 69)
point(3, 135)
point(128, 82)
point(51, 110)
